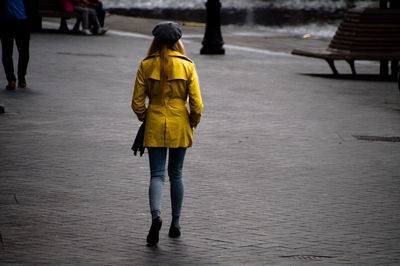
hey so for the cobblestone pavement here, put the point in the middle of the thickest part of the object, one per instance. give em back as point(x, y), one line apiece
point(275, 176)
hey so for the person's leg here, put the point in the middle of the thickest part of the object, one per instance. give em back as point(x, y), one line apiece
point(22, 37)
point(93, 20)
point(101, 14)
point(175, 166)
point(7, 43)
point(85, 16)
point(157, 158)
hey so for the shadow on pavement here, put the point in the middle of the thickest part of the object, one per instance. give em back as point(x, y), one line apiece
point(367, 77)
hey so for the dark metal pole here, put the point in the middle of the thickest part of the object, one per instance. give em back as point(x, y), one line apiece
point(213, 42)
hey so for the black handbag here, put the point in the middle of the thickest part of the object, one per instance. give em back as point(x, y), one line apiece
point(138, 142)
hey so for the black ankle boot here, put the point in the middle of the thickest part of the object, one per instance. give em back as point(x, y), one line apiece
point(152, 237)
point(174, 231)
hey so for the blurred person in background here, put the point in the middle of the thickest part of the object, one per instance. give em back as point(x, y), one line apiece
point(89, 16)
point(15, 17)
point(97, 6)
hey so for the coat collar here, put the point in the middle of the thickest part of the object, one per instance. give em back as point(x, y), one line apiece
point(170, 53)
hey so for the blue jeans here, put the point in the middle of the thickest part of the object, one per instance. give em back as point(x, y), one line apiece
point(157, 158)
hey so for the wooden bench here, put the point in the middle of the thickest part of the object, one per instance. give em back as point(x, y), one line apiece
point(53, 8)
point(371, 34)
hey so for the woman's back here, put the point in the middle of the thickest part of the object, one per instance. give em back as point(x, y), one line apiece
point(168, 123)
point(180, 70)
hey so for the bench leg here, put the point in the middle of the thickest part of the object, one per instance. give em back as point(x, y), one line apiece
point(332, 66)
point(352, 66)
point(63, 25)
point(394, 68)
point(77, 25)
point(398, 79)
point(384, 68)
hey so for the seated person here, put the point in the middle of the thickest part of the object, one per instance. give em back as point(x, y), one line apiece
point(89, 17)
point(97, 5)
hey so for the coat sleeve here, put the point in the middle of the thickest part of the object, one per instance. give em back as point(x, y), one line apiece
point(195, 101)
point(139, 95)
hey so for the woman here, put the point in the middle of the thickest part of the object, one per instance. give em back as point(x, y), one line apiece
point(169, 79)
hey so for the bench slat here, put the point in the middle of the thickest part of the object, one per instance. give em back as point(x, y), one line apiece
point(333, 54)
point(367, 39)
point(57, 14)
point(49, 5)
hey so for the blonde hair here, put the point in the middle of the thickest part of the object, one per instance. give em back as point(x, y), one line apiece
point(163, 48)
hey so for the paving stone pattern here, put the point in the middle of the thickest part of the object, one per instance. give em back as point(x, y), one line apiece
point(275, 176)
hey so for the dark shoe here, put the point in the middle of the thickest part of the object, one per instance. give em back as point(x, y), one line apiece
point(174, 231)
point(10, 86)
point(152, 237)
point(22, 83)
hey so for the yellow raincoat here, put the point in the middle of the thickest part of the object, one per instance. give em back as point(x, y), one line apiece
point(168, 121)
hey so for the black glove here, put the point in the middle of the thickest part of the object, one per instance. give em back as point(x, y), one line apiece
point(138, 142)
